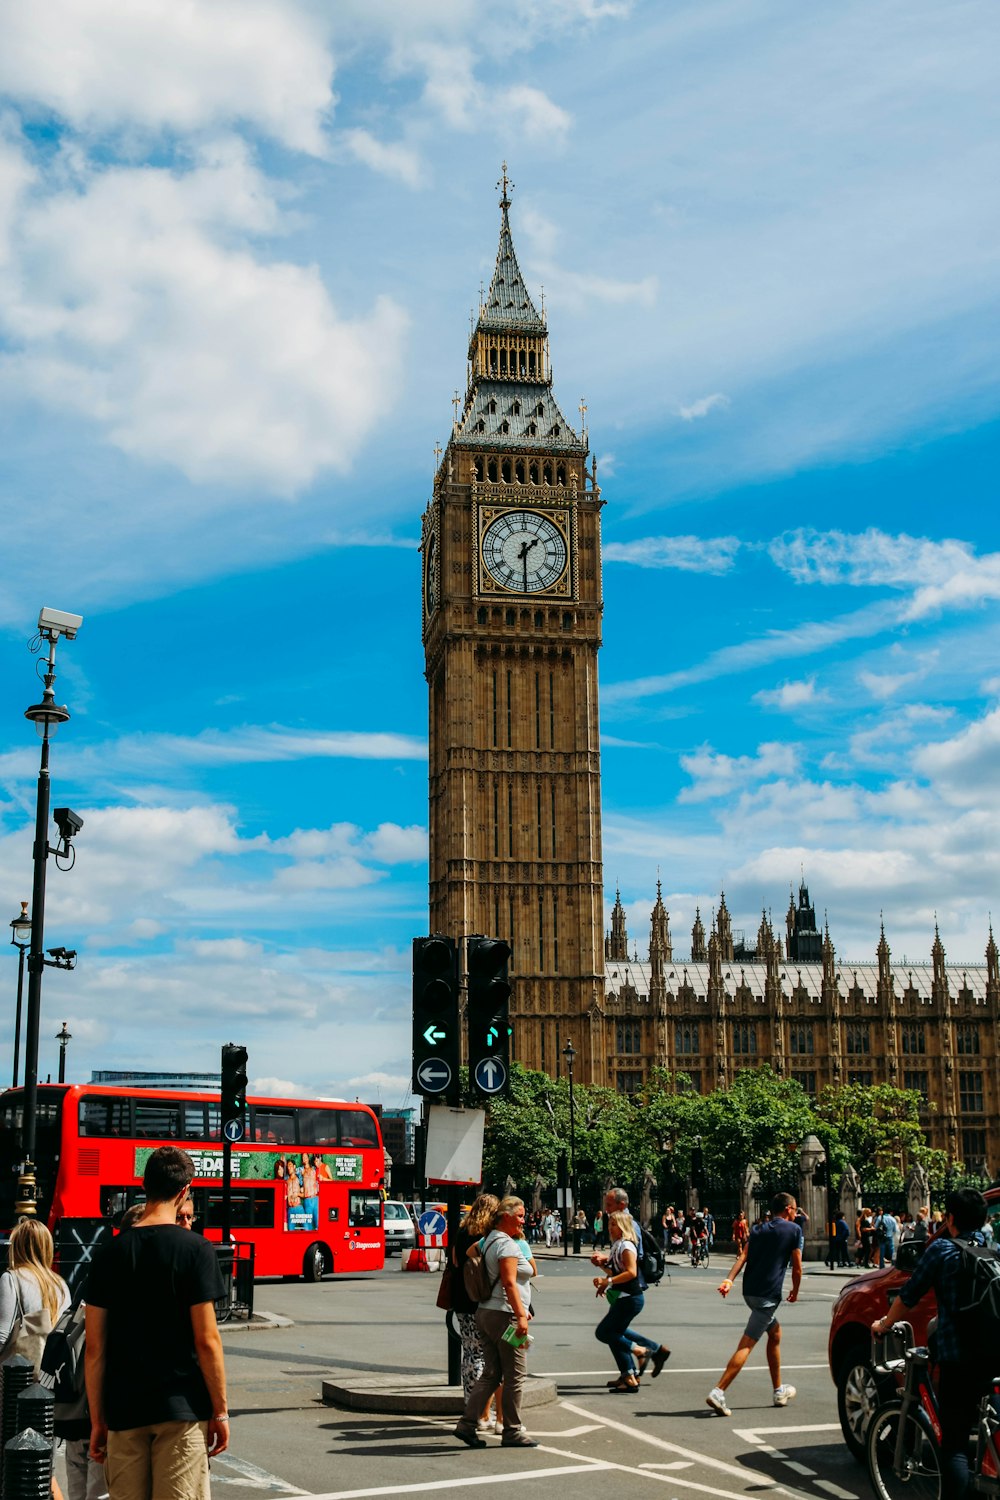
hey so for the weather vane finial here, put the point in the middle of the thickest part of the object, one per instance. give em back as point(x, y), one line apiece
point(506, 184)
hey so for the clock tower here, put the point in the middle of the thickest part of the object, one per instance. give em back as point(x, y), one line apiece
point(511, 627)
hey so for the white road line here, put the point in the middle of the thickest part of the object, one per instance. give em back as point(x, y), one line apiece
point(835, 1490)
point(749, 1434)
point(568, 1432)
point(673, 1479)
point(250, 1476)
point(671, 1369)
point(797, 1468)
point(718, 1464)
point(678, 1463)
point(468, 1481)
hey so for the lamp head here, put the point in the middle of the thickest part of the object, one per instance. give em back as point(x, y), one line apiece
point(21, 928)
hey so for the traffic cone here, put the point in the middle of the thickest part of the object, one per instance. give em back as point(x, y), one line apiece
point(417, 1260)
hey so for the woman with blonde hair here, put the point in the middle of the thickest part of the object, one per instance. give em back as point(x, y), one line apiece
point(501, 1318)
point(621, 1281)
point(477, 1222)
point(32, 1296)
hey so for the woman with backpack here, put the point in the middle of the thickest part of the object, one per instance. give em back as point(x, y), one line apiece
point(32, 1296)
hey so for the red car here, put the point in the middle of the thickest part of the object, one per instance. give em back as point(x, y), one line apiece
point(864, 1299)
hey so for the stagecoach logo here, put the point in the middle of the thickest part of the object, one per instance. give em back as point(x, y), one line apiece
point(363, 1245)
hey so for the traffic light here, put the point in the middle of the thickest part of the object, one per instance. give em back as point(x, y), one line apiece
point(234, 1091)
point(436, 1050)
point(489, 1016)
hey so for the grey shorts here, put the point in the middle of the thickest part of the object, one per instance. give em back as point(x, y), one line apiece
point(763, 1312)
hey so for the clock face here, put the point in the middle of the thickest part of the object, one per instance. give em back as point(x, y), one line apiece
point(432, 575)
point(524, 551)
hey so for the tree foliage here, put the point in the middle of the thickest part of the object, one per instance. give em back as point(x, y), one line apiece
point(758, 1121)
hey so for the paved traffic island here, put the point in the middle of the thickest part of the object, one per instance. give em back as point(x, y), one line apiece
point(430, 1395)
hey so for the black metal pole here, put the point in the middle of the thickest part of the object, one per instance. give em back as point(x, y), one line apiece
point(227, 1187)
point(27, 1192)
point(17, 1015)
point(62, 1061)
point(572, 1163)
point(454, 1200)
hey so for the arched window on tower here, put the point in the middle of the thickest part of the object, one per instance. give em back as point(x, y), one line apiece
point(516, 409)
point(505, 470)
point(561, 474)
point(522, 362)
point(533, 472)
point(491, 469)
point(480, 467)
point(503, 361)
point(547, 474)
point(492, 406)
point(493, 361)
point(481, 425)
point(519, 470)
point(539, 410)
point(531, 361)
point(532, 429)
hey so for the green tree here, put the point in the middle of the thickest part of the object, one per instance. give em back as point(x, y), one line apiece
point(876, 1128)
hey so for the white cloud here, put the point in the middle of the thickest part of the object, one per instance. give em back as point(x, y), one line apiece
point(790, 695)
point(392, 159)
point(701, 408)
point(869, 559)
point(175, 65)
point(968, 765)
point(714, 775)
point(538, 115)
point(691, 554)
point(177, 342)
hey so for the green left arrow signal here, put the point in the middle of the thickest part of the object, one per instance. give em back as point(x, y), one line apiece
point(432, 1036)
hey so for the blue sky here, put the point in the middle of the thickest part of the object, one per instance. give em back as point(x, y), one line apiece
point(239, 244)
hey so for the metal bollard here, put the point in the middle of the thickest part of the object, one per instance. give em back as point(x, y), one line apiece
point(16, 1374)
point(36, 1409)
point(27, 1466)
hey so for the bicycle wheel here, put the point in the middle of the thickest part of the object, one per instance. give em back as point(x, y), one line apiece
point(920, 1478)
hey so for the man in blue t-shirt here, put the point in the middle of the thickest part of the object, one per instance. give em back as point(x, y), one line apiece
point(766, 1256)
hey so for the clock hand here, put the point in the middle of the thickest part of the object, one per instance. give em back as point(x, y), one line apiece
point(523, 558)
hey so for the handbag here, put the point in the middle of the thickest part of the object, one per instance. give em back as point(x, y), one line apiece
point(28, 1331)
point(443, 1299)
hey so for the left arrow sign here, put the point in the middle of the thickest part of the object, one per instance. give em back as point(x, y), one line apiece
point(434, 1075)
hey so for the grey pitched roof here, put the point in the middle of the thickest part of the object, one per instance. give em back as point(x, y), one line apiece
point(626, 973)
point(508, 304)
point(515, 415)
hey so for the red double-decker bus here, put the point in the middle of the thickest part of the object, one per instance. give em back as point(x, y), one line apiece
point(307, 1178)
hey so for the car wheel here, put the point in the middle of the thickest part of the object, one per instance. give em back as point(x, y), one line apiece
point(313, 1263)
point(859, 1392)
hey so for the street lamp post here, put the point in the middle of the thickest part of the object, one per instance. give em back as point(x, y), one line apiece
point(569, 1053)
point(21, 940)
point(63, 1037)
point(46, 717)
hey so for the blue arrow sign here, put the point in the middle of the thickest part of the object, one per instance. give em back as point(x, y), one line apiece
point(432, 1035)
point(434, 1075)
point(491, 1075)
point(233, 1130)
point(432, 1222)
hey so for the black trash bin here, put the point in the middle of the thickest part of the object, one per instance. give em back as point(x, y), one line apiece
point(224, 1306)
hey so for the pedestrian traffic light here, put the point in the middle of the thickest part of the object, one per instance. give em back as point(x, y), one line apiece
point(234, 1091)
point(436, 1039)
point(489, 1016)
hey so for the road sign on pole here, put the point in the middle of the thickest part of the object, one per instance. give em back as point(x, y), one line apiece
point(490, 1076)
point(489, 1015)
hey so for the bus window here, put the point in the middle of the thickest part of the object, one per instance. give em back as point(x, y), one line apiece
point(194, 1121)
point(274, 1126)
point(107, 1117)
point(115, 1200)
point(357, 1128)
point(157, 1119)
point(364, 1210)
point(318, 1127)
point(251, 1207)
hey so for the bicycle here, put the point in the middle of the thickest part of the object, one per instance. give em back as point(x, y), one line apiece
point(903, 1441)
point(700, 1253)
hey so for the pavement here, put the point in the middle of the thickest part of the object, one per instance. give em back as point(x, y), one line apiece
point(377, 1329)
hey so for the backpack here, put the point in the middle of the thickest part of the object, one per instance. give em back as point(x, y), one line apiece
point(478, 1283)
point(62, 1371)
point(977, 1304)
point(650, 1262)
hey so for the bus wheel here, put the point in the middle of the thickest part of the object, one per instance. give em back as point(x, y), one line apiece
point(313, 1263)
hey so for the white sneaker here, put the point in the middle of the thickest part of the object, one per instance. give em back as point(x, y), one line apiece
point(783, 1394)
point(717, 1401)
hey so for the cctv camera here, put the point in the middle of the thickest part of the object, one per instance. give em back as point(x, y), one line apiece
point(58, 622)
point(68, 822)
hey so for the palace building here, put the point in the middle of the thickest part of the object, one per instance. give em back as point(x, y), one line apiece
point(512, 609)
point(792, 1004)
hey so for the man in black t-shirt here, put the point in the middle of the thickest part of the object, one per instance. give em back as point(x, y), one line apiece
point(766, 1255)
point(156, 1382)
